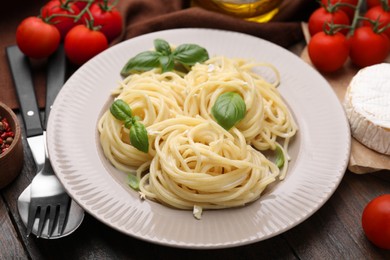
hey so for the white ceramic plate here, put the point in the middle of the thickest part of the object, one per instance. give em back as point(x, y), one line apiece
point(320, 151)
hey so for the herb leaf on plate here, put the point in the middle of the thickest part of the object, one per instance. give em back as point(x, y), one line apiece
point(138, 134)
point(165, 58)
point(228, 109)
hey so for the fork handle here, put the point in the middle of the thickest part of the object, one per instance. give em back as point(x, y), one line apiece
point(21, 74)
point(56, 74)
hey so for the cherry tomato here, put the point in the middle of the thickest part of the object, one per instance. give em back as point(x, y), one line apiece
point(108, 18)
point(350, 11)
point(368, 47)
point(328, 52)
point(82, 43)
point(377, 13)
point(82, 4)
point(376, 221)
point(321, 16)
point(372, 3)
point(36, 38)
point(60, 7)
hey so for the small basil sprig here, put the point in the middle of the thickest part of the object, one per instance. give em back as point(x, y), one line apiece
point(279, 160)
point(163, 57)
point(138, 134)
point(133, 181)
point(228, 109)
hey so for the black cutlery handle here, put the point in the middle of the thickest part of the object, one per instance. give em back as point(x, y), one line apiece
point(56, 73)
point(21, 74)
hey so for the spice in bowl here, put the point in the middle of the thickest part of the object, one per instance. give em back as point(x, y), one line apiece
point(6, 135)
point(11, 146)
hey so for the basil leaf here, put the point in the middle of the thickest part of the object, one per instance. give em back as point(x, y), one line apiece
point(133, 182)
point(143, 61)
point(162, 46)
point(229, 108)
point(139, 137)
point(129, 122)
point(121, 110)
point(279, 161)
point(190, 54)
point(167, 63)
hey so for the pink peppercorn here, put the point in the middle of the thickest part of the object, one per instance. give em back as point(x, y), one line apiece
point(6, 135)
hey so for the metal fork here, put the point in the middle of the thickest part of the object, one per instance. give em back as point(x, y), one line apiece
point(49, 201)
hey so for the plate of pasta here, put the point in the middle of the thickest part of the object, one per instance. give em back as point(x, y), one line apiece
point(198, 138)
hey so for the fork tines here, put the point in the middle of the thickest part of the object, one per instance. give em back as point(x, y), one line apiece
point(53, 208)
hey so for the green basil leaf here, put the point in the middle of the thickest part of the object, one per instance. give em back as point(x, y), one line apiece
point(162, 46)
point(143, 61)
point(167, 63)
point(190, 54)
point(129, 122)
point(121, 110)
point(139, 137)
point(229, 108)
point(133, 182)
point(279, 160)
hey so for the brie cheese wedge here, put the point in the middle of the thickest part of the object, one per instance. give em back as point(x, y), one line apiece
point(367, 106)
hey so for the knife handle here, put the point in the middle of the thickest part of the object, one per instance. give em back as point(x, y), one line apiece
point(21, 74)
point(56, 73)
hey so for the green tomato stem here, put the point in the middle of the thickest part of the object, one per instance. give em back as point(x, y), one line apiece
point(356, 18)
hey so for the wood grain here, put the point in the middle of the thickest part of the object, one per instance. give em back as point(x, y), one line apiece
point(10, 246)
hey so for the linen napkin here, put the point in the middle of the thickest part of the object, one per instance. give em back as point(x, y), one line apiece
point(144, 16)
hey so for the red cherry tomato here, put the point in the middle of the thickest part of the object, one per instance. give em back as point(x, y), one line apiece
point(328, 52)
point(321, 16)
point(60, 7)
point(82, 43)
point(372, 3)
point(36, 38)
point(368, 47)
point(377, 13)
point(108, 18)
point(82, 4)
point(376, 221)
point(349, 10)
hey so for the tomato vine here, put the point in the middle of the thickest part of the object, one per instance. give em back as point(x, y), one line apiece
point(366, 36)
point(101, 19)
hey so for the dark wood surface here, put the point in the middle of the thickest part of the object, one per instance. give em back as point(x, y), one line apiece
point(333, 232)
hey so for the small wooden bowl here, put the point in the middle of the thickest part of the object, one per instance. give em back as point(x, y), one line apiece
point(11, 161)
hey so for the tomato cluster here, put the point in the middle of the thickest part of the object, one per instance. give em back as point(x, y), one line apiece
point(85, 26)
point(339, 30)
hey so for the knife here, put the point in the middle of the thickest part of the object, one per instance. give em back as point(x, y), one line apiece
point(21, 74)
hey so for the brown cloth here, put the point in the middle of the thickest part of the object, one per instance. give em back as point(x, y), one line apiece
point(144, 16)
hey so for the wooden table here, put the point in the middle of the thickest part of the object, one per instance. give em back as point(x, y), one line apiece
point(333, 232)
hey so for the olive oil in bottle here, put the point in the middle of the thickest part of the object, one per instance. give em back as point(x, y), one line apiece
point(251, 10)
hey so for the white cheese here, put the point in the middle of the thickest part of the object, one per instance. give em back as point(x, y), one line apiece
point(367, 106)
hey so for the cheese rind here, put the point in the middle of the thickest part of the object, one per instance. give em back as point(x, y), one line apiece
point(367, 106)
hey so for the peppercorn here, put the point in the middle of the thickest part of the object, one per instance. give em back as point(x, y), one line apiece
point(6, 135)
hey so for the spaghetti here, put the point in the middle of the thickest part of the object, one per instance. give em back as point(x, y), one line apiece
point(193, 161)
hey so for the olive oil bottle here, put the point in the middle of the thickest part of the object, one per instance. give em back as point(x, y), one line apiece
point(252, 10)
